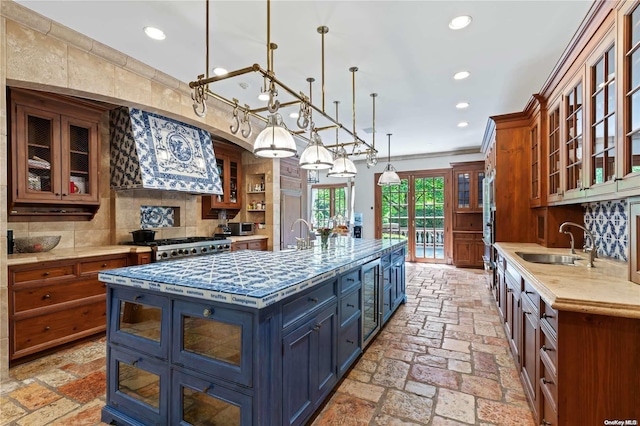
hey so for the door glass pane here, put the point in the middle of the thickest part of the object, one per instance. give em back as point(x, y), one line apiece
point(79, 159)
point(370, 301)
point(429, 218)
point(480, 188)
point(139, 384)
point(635, 153)
point(233, 182)
point(395, 210)
point(39, 138)
point(212, 339)
point(464, 194)
point(201, 408)
point(140, 320)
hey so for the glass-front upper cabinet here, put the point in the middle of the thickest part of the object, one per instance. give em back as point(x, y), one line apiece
point(573, 137)
point(630, 164)
point(554, 155)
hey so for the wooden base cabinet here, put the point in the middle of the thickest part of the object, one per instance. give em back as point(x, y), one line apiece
point(57, 302)
point(175, 359)
point(576, 368)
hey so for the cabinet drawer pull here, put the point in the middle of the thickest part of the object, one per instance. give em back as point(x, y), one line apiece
point(317, 327)
point(546, 423)
point(57, 194)
point(135, 361)
point(46, 296)
point(351, 342)
point(208, 388)
point(529, 292)
point(207, 312)
point(64, 195)
point(104, 265)
point(313, 299)
point(526, 312)
point(547, 316)
point(349, 305)
point(138, 297)
point(47, 328)
point(547, 381)
point(350, 280)
point(46, 274)
point(509, 290)
point(545, 348)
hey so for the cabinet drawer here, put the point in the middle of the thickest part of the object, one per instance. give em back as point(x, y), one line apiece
point(37, 333)
point(385, 261)
point(397, 258)
point(548, 416)
point(196, 401)
point(307, 303)
point(254, 245)
point(550, 315)
point(548, 385)
point(102, 265)
point(533, 296)
point(349, 280)
point(349, 307)
point(514, 279)
point(28, 298)
point(548, 347)
point(43, 273)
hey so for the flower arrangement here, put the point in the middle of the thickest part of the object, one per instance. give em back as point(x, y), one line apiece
point(325, 233)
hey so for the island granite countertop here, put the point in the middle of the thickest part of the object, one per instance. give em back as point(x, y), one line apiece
point(250, 277)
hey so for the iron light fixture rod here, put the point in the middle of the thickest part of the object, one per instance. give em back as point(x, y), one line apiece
point(263, 109)
point(373, 138)
point(269, 69)
point(323, 30)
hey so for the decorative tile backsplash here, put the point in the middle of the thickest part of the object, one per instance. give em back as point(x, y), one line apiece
point(608, 221)
point(157, 217)
point(154, 152)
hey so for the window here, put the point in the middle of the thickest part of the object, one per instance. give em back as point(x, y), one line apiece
point(327, 201)
point(573, 136)
point(632, 137)
point(603, 118)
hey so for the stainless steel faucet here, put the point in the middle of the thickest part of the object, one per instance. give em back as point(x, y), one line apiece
point(302, 243)
point(592, 250)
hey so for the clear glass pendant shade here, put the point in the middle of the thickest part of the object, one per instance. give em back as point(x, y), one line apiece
point(315, 156)
point(389, 177)
point(342, 166)
point(274, 141)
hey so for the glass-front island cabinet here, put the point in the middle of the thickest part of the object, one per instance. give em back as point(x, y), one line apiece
point(247, 337)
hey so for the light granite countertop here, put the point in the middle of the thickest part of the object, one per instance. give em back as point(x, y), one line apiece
point(604, 289)
point(252, 278)
point(72, 253)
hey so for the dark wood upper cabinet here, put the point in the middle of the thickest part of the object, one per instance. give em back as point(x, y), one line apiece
point(229, 161)
point(54, 157)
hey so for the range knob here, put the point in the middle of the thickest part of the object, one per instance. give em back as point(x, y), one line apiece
point(164, 254)
point(203, 249)
point(174, 253)
point(211, 247)
point(194, 251)
point(226, 246)
point(219, 247)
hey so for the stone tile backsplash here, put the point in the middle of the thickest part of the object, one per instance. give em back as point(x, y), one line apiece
point(608, 221)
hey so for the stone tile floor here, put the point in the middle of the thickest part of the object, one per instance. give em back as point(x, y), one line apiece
point(442, 359)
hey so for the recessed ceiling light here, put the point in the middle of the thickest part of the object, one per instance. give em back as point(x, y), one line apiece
point(294, 115)
point(461, 75)
point(462, 105)
point(459, 22)
point(220, 71)
point(463, 124)
point(264, 96)
point(154, 33)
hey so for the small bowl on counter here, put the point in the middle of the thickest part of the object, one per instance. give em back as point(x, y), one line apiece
point(35, 244)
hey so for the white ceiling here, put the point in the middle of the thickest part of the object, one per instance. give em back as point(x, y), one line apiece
point(404, 50)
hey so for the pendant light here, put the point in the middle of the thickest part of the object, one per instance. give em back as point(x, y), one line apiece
point(315, 156)
point(274, 141)
point(390, 176)
point(342, 166)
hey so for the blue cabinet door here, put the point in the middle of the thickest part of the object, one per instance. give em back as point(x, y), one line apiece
point(349, 345)
point(297, 385)
point(139, 320)
point(309, 365)
point(212, 338)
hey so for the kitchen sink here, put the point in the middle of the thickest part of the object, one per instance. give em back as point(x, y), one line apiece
point(551, 259)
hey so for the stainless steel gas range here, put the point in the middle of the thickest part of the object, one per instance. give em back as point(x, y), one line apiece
point(180, 248)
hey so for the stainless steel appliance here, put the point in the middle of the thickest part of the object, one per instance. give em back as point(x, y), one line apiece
point(179, 248)
point(242, 228)
point(488, 218)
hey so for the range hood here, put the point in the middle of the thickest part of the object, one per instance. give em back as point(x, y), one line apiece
point(154, 152)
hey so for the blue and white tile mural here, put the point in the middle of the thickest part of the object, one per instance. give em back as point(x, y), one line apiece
point(608, 221)
point(155, 152)
point(157, 217)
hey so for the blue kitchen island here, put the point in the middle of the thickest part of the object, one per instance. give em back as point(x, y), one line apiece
point(247, 337)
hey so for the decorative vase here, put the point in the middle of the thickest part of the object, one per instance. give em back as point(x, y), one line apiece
point(324, 240)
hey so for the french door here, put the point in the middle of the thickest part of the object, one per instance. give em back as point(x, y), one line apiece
point(415, 210)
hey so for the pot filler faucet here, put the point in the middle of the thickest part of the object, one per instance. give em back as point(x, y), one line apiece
point(592, 250)
point(302, 243)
